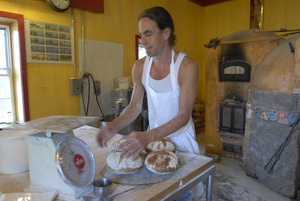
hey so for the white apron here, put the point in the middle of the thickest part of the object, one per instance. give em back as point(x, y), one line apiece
point(162, 107)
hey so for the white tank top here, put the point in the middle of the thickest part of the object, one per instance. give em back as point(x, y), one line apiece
point(161, 86)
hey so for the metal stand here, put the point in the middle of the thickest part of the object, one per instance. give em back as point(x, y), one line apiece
point(207, 174)
point(209, 182)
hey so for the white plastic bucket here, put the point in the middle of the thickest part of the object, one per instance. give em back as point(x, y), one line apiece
point(14, 151)
point(122, 82)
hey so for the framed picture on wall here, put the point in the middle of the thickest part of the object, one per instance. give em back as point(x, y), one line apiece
point(48, 43)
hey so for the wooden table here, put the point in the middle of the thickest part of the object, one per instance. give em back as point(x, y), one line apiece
point(194, 169)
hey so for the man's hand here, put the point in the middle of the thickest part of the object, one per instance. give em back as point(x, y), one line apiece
point(135, 143)
point(105, 134)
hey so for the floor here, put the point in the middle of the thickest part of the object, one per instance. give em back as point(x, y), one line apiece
point(230, 183)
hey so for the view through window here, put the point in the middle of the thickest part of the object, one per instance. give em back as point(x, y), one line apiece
point(141, 51)
point(7, 114)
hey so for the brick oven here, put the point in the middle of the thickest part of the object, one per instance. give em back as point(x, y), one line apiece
point(252, 80)
point(230, 64)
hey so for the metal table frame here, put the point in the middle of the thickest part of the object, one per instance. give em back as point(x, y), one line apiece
point(207, 174)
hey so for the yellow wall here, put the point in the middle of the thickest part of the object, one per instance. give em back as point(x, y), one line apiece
point(281, 14)
point(49, 85)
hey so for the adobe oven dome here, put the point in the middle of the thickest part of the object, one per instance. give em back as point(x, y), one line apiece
point(249, 35)
point(279, 71)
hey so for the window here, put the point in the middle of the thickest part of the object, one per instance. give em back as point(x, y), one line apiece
point(140, 49)
point(7, 111)
point(13, 69)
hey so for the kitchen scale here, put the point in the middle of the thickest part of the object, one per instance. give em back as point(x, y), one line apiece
point(62, 162)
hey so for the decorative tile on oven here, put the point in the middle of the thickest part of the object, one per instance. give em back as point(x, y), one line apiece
point(283, 117)
point(272, 115)
point(275, 116)
point(264, 114)
point(292, 117)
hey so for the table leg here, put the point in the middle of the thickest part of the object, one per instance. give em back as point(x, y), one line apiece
point(183, 188)
point(208, 188)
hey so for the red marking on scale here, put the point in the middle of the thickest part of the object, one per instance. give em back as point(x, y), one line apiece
point(79, 161)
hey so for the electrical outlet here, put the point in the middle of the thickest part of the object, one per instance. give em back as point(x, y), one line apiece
point(75, 86)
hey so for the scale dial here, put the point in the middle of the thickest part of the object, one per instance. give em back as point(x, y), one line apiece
point(75, 162)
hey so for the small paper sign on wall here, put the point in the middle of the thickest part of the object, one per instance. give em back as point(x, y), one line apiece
point(48, 43)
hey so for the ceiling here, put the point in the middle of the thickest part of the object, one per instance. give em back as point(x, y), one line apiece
point(207, 2)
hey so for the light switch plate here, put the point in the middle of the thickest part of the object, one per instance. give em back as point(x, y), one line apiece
point(75, 86)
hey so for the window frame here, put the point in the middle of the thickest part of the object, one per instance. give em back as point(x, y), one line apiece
point(8, 67)
point(19, 62)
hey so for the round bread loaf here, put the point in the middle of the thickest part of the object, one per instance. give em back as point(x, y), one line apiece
point(160, 145)
point(162, 162)
point(118, 163)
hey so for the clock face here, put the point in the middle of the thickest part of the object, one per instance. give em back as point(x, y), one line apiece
point(59, 5)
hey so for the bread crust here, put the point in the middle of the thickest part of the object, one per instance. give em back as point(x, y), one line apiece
point(117, 143)
point(117, 163)
point(162, 162)
point(160, 145)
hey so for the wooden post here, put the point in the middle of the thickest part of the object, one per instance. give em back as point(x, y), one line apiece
point(256, 14)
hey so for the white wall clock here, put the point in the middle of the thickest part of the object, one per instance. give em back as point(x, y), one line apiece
point(59, 5)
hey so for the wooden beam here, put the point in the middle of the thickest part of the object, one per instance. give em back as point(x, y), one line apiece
point(256, 14)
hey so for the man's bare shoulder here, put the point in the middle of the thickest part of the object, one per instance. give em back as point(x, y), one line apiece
point(137, 71)
point(189, 63)
point(140, 62)
point(188, 72)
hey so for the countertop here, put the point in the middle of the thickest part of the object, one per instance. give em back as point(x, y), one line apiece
point(192, 165)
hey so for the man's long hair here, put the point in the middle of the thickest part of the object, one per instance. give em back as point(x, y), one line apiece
point(163, 20)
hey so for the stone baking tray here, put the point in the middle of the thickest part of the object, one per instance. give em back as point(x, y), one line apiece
point(142, 176)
